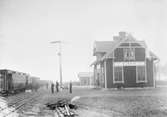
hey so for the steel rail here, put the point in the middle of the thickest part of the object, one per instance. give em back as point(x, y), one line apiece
point(14, 103)
point(23, 102)
point(19, 106)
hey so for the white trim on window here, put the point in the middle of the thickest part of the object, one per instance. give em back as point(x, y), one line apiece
point(137, 80)
point(129, 53)
point(122, 81)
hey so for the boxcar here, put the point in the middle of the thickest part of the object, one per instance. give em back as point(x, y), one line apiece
point(12, 81)
point(34, 82)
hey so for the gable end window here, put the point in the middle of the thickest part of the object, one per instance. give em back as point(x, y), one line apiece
point(129, 53)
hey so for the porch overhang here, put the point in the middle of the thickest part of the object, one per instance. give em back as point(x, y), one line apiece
point(95, 62)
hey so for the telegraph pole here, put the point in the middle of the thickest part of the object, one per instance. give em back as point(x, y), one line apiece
point(60, 59)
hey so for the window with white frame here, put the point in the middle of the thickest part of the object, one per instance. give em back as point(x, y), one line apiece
point(118, 74)
point(141, 74)
point(129, 53)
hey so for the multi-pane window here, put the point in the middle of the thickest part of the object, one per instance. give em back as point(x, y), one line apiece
point(141, 74)
point(118, 74)
point(129, 53)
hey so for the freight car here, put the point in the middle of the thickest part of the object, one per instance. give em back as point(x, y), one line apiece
point(33, 83)
point(12, 81)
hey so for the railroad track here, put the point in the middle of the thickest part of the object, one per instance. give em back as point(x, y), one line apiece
point(17, 99)
point(15, 106)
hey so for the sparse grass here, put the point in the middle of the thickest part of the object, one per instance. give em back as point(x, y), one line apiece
point(119, 103)
point(131, 103)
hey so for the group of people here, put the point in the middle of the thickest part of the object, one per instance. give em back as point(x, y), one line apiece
point(53, 87)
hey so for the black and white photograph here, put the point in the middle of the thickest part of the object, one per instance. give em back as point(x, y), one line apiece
point(83, 58)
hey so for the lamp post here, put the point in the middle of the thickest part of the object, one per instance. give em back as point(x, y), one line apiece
point(60, 59)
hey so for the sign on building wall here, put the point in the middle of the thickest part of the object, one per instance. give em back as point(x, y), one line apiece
point(129, 63)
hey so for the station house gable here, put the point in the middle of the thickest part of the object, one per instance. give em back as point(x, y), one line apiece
point(124, 62)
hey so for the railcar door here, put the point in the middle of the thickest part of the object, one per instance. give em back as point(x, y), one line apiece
point(10, 82)
point(1, 82)
point(4, 81)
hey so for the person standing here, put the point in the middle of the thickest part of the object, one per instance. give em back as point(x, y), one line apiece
point(52, 88)
point(57, 87)
point(70, 87)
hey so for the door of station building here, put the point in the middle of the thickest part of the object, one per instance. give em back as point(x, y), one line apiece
point(129, 76)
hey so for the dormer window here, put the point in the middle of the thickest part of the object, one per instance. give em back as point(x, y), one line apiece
point(129, 53)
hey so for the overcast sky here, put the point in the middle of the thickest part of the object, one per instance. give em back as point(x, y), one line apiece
point(28, 26)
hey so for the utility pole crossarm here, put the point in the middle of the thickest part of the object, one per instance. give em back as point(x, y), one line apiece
point(55, 42)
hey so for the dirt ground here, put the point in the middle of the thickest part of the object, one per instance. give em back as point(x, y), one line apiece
point(108, 103)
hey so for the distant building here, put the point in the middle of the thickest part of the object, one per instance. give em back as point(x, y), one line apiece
point(85, 78)
point(124, 62)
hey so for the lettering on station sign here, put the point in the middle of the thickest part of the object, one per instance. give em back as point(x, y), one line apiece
point(129, 63)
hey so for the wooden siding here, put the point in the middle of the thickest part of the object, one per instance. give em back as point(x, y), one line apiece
point(149, 69)
point(95, 75)
point(140, 54)
point(118, 55)
point(102, 77)
point(129, 71)
point(109, 73)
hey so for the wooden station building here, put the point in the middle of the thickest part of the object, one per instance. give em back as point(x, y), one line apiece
point(85, 78)
point(124, 62)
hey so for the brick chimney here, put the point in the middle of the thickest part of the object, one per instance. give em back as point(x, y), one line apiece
point(116, 38)
point(122, 34)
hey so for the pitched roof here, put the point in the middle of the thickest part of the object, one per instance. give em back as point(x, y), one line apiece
point(107, 47)
point(109, 53)
point(152, 55)
point(95, 62)
point(103, 46)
